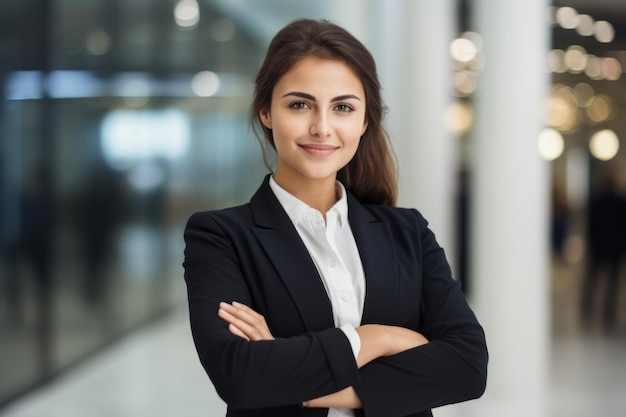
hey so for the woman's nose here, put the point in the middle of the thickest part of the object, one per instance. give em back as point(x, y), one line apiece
point(320, 126)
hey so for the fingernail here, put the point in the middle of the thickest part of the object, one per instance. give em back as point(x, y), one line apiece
point(236, 304)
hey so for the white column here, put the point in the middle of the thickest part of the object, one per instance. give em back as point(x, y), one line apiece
point(509, 217)
point(420, 89)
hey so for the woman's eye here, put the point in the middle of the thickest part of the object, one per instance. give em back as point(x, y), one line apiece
point(298, 105)
point(344, 108)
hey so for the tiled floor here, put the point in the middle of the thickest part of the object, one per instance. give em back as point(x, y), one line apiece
point(155, 372)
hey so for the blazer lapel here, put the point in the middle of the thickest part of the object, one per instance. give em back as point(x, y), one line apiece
point(283, 246)
point(377, 251)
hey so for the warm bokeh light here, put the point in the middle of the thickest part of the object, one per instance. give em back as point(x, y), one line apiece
point(459, 117)
point(604, 31)
point(475, 38)
point(604, 145)
point(205, 84)
point(187, 13)
point(556, 61)
point(585, 25)
point(594, 67)
point(576, 59)
point(611, 69)
point(464, 83)
point(468, 62)
point(463, 50)
point(550, 144)
point(600, 108)
point(583, 93)
point(567, 17)
point(563, 112)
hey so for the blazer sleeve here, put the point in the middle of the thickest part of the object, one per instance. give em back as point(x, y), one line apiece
point(451, 368)
point(286, 371)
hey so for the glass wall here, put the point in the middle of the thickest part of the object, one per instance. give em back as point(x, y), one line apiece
point(118, 119)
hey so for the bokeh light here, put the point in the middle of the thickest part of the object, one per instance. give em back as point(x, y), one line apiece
point(593, 69)
point(563, 112)
point(604, 145)
point(98, 42)
point(550, 144)
point(583, 92)
point(464, 83)
point(567, 17)
point(576, 59)
point(611, 69)
point(205, 84)
point(459, 117)
point(585, 25)
point(604, 31)
point(600, 108)
point(187, 13)
point(556, 61)
point(129, 136)
point(463, 49)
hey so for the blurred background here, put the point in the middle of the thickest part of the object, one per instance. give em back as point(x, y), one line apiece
point(118, 119)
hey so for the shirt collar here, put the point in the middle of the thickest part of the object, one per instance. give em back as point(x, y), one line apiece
point(296, 209)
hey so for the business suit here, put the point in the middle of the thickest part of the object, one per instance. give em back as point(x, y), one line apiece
point(253, 254)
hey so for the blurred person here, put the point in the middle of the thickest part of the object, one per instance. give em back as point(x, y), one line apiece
point(559, 221)
point(37, 220)
point(100, 208)
point(606, 233)
point(10, 294)
point(319, 297)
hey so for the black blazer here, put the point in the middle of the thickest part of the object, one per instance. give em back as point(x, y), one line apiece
point(254, 255)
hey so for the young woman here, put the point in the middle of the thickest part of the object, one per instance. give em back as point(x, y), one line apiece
point(319, 297)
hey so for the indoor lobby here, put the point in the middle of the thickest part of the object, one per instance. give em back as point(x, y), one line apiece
point(119, 119)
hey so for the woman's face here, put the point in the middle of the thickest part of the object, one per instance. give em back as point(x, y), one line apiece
point(317, 117)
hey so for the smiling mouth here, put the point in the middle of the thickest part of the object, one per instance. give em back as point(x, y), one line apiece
point(319, 150)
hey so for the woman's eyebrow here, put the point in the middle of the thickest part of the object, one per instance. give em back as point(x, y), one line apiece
point(299, 94)
point(312, 98)
point(345, 97)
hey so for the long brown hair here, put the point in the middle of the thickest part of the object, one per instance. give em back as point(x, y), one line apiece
point(371, 175)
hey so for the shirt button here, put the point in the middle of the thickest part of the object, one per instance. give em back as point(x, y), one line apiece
point(333, 264)
point(345, 296)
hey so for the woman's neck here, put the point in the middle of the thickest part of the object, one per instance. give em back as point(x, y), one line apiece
point(320, 194)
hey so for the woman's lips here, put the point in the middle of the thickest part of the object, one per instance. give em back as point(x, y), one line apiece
point(319, 150)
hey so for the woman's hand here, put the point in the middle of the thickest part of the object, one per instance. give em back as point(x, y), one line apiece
point(383, 340)
point(244, 322)
point(346, 398)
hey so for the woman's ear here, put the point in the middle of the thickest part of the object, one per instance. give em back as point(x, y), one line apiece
point(266, 118)
point(364, 127)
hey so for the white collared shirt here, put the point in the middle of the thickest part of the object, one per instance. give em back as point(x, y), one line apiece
point(336, 257)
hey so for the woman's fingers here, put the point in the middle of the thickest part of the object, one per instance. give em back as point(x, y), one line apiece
point(237, 332)
point(249, 324)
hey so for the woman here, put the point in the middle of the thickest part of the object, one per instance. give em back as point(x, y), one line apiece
point(319, 298)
